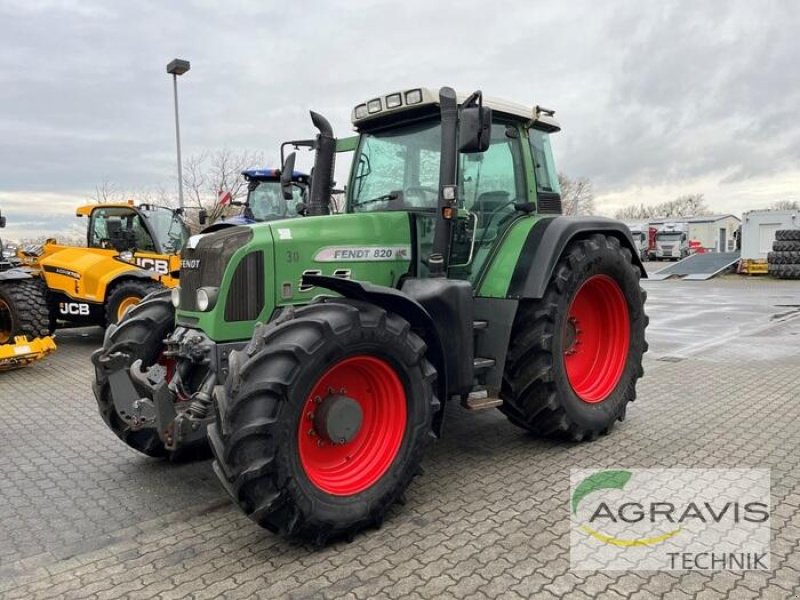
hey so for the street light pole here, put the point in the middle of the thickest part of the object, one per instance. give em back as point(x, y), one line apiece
point(175, 68)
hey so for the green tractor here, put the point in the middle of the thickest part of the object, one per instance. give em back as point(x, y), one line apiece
point(320, 352)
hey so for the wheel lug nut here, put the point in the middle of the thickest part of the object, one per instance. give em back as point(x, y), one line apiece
point(312, 433)
point(320, 443)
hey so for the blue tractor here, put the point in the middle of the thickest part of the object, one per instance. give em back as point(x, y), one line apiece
point(265, 198)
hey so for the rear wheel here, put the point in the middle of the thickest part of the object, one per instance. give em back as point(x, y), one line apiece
point(126, 295)
point(322, 424)
point(140, 335)
point(23, 309)
point(577, 352)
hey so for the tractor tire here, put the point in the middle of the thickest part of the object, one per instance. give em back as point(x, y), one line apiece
point(784, 258)
point(785, 246)
point(577, 353)
point(125, 295)
point(785, 271)
point(788, 235)
point(23, 309)
point(140, 335)
point(272, 440)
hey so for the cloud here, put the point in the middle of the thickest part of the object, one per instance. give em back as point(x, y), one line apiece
point(652, 97)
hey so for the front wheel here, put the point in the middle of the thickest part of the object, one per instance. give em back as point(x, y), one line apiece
point(577, 353)
point(125, 295)
point(322, 424)
point(140, 335)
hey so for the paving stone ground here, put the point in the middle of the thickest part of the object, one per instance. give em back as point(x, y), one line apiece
point(82, 516)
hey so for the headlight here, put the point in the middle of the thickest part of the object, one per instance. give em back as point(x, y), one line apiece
point(175, 296)
point(127, 256)
point(361, 111)
point(393, 100)
point(414, 97)
point(206, 298)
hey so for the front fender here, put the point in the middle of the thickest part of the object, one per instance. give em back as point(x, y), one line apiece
point(545, 244)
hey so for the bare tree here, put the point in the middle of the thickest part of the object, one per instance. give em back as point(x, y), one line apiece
point(106, 192)
point(688, 205)
point(785, 205)
point(207, 174)
point(577, 197)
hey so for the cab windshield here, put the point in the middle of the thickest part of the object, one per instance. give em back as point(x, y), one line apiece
point(169, 229)
point(667, 237)
point(397, 169)
point(266, 203)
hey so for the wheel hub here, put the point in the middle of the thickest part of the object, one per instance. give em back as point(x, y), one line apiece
point(338, 419)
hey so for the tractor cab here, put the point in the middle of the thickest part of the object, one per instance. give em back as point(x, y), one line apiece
point(265, 199)
point(397, 167)
point(125, 227)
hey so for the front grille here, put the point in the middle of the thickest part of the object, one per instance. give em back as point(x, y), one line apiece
point(549, 204)
point(246, 294)
point(204, 265)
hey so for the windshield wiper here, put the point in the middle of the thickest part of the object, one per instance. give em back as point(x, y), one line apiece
point(383, 198)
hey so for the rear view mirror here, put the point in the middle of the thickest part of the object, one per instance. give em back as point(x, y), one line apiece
point(2, 221)
point(287, 170)
point(202, 216)
point(474, 125)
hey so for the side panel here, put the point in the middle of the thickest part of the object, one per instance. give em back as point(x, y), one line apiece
point(493, 282)
point(373, 247)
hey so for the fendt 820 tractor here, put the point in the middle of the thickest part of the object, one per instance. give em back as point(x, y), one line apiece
point(321, 351)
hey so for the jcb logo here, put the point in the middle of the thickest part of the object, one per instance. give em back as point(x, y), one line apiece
point(154, 264)
point(73, 308)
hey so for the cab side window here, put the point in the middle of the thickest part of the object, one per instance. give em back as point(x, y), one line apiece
point(543, 165)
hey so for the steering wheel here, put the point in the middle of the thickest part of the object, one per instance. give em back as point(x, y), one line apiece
point(421, 192)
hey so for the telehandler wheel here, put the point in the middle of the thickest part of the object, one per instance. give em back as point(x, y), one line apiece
point(140, 335)
point(577, 352)
point(125, 295)
point(23, 309)
point(322, 424)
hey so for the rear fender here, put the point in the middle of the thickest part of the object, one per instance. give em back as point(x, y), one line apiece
point(546, 243)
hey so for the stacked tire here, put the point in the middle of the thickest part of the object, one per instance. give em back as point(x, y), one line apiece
point(784, 260)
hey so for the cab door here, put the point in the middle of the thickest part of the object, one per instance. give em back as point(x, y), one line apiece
point(490, 184)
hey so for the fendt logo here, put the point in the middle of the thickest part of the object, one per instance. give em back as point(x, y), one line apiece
point(158, 265)
point(190, 264)
point(73, 309)
point(670, 519)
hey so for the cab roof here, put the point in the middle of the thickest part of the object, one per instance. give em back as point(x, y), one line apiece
point(86, 209)
point(413, 99)
point(268, 174)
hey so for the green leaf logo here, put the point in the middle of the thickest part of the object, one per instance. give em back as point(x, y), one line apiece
point(599, 481)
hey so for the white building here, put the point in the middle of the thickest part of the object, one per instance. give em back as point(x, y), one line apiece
point(715, 233)
point(759, 227)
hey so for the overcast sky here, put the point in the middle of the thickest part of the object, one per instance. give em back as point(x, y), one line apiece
point(655, 99)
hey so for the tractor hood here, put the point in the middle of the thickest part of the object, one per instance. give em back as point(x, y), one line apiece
point(257, 269)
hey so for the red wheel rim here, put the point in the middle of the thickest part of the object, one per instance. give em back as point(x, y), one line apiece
point(597, 337)
point(350, 468)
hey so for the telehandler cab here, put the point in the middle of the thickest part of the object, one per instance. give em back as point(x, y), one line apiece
point(319, 352)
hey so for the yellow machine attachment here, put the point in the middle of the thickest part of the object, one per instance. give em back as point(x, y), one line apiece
point(22, 352)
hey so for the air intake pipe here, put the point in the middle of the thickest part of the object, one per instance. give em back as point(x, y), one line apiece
point(322, 177)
